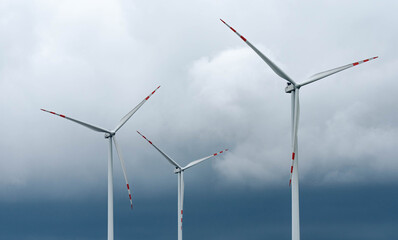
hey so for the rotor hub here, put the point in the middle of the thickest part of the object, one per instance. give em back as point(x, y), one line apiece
point(290, 88)
point(108, 135)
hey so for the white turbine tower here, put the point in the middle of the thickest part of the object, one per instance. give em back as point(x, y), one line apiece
point(110, 134)
point(293, 88)
point(180, 172)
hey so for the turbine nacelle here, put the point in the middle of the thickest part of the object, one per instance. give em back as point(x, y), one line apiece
point(290, 87)
point(110, 134)
point(178, 170)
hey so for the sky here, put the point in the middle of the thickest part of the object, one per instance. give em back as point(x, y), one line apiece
point(96, 60)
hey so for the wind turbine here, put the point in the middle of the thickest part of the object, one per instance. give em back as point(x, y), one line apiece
point(180, 172)
point(293, 88)
point(110, 134)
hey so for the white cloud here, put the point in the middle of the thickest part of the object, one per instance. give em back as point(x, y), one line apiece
point(95, 60)
point(342, 136)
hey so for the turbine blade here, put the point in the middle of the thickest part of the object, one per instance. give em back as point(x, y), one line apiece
point(182, 191)
point(92, 127)
point(324, 74)
point(128, 115)
point(119, 154)
point(272, 65)
point(295, 129)
point(164, 154)
point(193, 163)
point(182, 195)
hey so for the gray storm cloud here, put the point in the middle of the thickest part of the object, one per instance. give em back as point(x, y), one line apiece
point(337, 141)
point(96, 60)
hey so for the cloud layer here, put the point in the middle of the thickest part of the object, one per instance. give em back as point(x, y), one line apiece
point(96, 60)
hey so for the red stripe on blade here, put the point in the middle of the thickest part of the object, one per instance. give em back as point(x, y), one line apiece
point(147, 98)
point(128, 187)
point(291, 169)
point(243, 38)
point(292, 156)
point(354, 64)
point(232, 29)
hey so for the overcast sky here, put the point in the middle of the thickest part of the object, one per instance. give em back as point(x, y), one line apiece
point(96, 60)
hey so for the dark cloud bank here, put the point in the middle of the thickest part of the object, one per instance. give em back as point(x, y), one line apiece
point(346, 213)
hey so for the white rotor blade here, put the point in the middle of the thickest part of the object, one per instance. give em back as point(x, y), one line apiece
point(119, 154)
point(182, 195)
point(274, 67)
point(324, 74)
point(164, 154)
point(92, 127)
point(128, 115)
point(193, 163)
point(295, 129)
